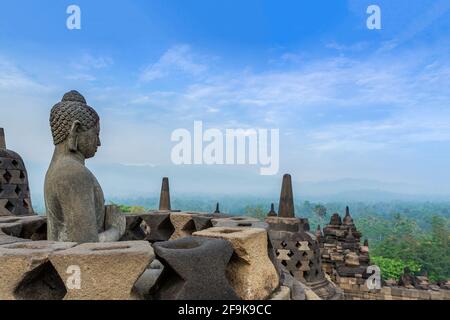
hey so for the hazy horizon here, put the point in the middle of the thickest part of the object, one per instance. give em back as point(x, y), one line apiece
point(361, 113)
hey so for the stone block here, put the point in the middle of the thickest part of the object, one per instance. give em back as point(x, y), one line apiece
point(145, 283)
point(396, 291)
point(108, 270)
point(135, 228)
point(409, 293)
point(11, 226)
point(424, 295)
point(194, 269)
point(386, 290)
point(364, 249)
point(351, 259)
point(309, 293)
point(336, 257)
point(159, 225)
point(114, 220)
point(297, 291)
point(16, 177)
point(445, 294)
point(6, 239)
point(250, 271)
point(283, 224)
point(436, 295)
point(202, 221)
point(183, 224)
point(282, 293)
point(363, 287)
point(27, 272)
point(34, 228)
point(234, 222)
point(31, 227)
point(15, 207)
point(8, 191)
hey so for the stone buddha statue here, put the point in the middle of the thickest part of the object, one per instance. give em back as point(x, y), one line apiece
point(74, 200)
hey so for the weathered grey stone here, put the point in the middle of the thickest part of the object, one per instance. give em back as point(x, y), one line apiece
point(202, 221)
point(352, 259)
point(164, 200)
point(34, 228)
point(145, 283)
point(156, 264)
point(251, 273)
point(244, 221)
point(73, 196)
point(159, 225)
point(2, 139)
point(286, 208)
point(282, 293)
point(27, 272)
point(115, 224)
point(108, 270)
point(194, 269)
point(28, 227)
point(309, 293)
point(283, 224)
point(11, 226)
point(326, 289)
point(299, 253)
point(6, 239)
point(350, 271)
point(135, 228)
point(15, 199)
point(296, 290)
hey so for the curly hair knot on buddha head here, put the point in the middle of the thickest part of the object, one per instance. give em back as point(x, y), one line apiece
point(72, 108)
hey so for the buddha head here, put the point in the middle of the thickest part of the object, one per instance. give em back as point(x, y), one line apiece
point(75, 125)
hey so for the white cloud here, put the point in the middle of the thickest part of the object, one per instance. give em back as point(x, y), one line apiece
point(323, 107)
point(178, 59)
point(85, 67)
point(405, 129)
point(80, 77)
point(13, 78)
point(90, 62)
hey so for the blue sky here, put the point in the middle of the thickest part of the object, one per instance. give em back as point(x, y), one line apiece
point(350, 103)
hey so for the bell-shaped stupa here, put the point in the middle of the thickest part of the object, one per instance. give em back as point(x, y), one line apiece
point(15, 197)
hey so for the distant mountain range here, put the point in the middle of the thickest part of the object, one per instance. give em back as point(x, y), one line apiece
point(237, 182)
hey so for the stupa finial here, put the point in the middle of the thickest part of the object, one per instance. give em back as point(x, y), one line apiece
point(164, 200)
point(2, 139)
point(286, 208)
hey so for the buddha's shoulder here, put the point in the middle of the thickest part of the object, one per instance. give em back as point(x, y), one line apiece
point(68, 169)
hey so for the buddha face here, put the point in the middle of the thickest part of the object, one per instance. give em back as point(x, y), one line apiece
point(89, 141)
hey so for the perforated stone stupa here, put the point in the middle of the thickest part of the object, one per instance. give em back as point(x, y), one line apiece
point(15, 197)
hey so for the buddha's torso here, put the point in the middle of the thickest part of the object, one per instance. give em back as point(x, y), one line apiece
point(60, 217)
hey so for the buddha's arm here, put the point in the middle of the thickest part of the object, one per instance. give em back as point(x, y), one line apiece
point(115, 225)
point(77, 202)
point(109, 235)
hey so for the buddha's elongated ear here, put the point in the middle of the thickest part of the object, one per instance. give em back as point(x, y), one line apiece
point(73, 136)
